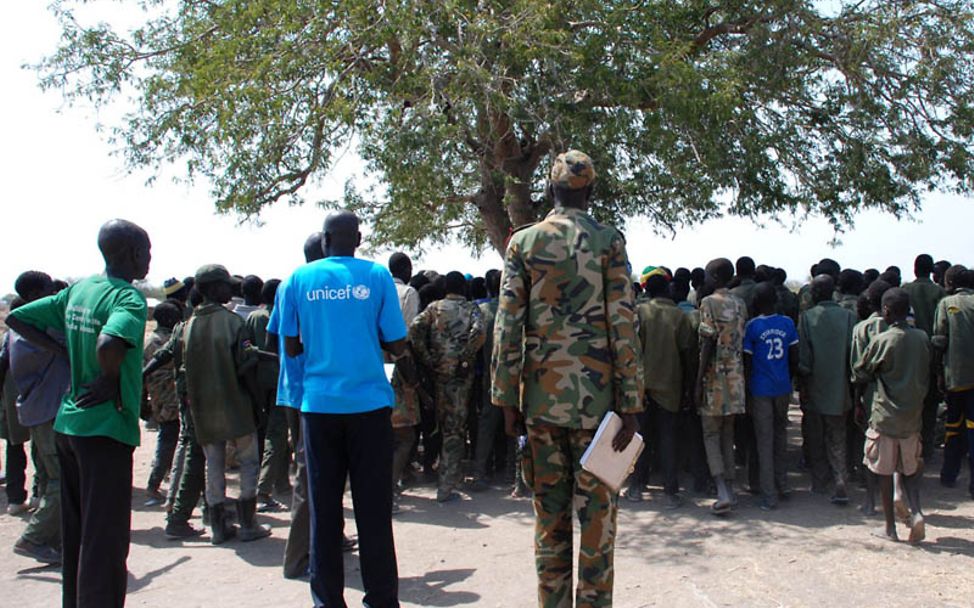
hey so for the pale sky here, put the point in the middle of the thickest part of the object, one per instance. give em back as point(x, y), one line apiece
point(61, 184)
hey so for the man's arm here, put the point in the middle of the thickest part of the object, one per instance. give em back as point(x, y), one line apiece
point(507, 360)
point(37, 337)
point(476, 336)
point(403, 359)
point(110, 353)
point(620, 312)
point(419, 332)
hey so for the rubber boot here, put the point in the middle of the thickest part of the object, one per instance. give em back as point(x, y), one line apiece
point(221, 530)
point(249, 529)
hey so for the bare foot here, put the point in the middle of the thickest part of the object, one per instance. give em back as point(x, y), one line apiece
point(918, 529)
point(885, 534)
point(902, 511)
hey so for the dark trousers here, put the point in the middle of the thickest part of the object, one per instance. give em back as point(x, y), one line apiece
point(770, 418)
point(357, 446)
point(668, 425)
point(297, 548)
point(827, 443)
point(16, 474)
point(166, 441)
point(489, 427)
point(193, 476)
point(96, 518)
point(960, 437)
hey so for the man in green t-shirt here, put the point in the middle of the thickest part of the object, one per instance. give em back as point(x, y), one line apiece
point(103, 320)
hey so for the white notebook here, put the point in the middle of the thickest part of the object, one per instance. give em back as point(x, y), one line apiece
point(601, 460)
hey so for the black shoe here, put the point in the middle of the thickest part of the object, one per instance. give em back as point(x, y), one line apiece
point(42, 553)
point(177, 531)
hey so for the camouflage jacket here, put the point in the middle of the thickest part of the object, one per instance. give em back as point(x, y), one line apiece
point(160, 386)
point(722, 319)
point(447, 335)
point(565, 348)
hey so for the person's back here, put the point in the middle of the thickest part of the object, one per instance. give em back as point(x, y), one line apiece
point(215, 357)
point(826, 335)
point(899, 360)
point(745, 291)
point(924, 294)
point(450, 343)
point(339, 301)
point(722, 318)
point(666, 334)
point(564, 283)
point(954, 333)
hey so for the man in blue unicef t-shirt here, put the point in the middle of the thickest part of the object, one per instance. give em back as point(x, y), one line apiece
point(770, 361)
point(341, 313)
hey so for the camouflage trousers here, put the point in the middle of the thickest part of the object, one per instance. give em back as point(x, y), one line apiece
point(554, 474)
point(452, 396)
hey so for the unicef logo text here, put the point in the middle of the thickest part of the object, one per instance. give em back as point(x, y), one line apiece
point(359, 292)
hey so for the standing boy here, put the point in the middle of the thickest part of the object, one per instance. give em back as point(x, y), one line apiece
point(899, 361)
point(770, 361)
point(221, 383)
point(719, 391)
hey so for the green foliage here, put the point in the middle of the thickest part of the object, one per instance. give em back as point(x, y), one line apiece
point(690, 108)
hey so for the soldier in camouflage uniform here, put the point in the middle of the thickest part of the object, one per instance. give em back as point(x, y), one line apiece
point(720, 378)
point(446, 337)
point(564, 355)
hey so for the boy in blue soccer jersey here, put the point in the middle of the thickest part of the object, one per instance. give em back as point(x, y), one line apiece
point(770, 362)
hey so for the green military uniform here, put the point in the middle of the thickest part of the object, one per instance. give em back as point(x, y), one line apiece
point(924, 297)
point(275, 454)
point(722, 319)
point(953, 330)
point(849, 302)
point(898, 360)
point(862, 334)
point(215, 364)
point(565, 354)
point(825, 339)
point(787, 303)
point(491, 418)
point(667, 336)
point(745, 291)
point(446, 337)
point(160, 385)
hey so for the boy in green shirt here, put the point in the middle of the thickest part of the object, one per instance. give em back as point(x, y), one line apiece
point(898, 360)
point(103, 320)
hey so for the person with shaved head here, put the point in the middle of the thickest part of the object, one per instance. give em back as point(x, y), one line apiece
point(97, 427)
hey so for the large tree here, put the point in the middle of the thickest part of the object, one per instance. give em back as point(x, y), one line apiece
point(690, 108)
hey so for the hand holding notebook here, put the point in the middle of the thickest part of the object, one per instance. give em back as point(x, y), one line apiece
point(603, 461)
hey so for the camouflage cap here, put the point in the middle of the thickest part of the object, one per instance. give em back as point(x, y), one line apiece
point(573, 170)
point(213, 273)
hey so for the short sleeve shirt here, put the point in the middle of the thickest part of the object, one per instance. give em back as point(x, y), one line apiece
point(343, 308)
point(291, 372)
point(84, 311)
point(767, 339)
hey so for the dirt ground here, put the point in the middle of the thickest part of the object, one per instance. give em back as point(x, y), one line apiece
point(478, 552)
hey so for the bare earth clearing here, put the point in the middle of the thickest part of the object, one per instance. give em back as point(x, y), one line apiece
point(479, 553)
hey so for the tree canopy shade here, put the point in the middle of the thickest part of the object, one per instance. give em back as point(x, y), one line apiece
point(689, 108)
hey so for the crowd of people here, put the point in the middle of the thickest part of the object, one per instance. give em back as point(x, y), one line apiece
point(352, 374)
